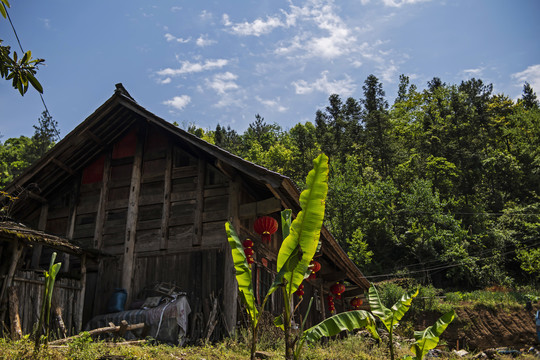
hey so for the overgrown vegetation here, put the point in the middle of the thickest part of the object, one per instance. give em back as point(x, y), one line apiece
point(442, 186)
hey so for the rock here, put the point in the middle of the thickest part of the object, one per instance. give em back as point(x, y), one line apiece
point(461, 353)
point(262, 355)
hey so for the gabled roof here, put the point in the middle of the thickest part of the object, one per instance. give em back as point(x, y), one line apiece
point(113, 119)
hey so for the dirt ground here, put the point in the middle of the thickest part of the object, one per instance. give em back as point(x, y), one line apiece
point(482, 328)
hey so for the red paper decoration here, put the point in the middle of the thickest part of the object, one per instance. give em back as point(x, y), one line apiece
point(315, 266)
point(337, 289)
point(356, 302)
point(248, 251)
point(300, 291)
point(265, 226)
point(331, 306)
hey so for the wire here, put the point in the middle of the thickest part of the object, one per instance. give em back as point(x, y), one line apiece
point(442, 267)
point(22, 50)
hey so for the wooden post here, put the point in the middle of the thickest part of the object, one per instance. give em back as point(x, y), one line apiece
point(104, 193)
point(71, 221)
point(230, 292)
point(82, 294)
point(42, 224)
point(323, 310)
point(167, 187)
point(132, 214)
point(17, 249)
point(198, 223)
point(14, 318)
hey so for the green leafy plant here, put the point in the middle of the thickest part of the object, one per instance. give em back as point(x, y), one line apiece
point(44, 316)
point(390, 317)
point(428, 338)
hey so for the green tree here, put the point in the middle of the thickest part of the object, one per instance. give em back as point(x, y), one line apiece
point(20, 70)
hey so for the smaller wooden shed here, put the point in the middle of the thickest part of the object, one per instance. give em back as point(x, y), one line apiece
point(21, 281)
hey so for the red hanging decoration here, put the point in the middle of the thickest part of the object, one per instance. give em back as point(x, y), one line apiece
point(265, 226)
point(356, 303)
point(248, 251)
point(337, 289)
point(315, 266)
point(300, 291)
point(331, 306)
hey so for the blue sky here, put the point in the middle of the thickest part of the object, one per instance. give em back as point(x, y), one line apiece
point(210, 62)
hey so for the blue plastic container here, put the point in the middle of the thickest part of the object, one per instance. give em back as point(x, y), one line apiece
point(117, 301)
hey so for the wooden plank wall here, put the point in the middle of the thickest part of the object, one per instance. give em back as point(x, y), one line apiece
point(67, 295)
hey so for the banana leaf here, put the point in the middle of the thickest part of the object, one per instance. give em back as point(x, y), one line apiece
point(349, 320)
point(306, 228)
point(390, 317)
point(428, 338)
point(243, 273)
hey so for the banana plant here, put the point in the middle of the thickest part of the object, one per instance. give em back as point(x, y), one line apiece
point(44, 316)
point(301, 240)
point(428, 338)
point(390, 317)
point(332, 326)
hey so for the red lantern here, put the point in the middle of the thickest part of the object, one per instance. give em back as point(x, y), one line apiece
point(247, 243)
point(312, 276)
point(265, 226)
point(331, 306)
point(337, 289)
point(250, 260)
point(315, 266)
point(356, 302)
point(248, 251)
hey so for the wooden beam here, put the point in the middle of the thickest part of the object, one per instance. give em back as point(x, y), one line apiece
point(42, 224)
point(94, 137)
point(14, 318)
point(167, 188)
point(199, 206)
point(103, 195)
point(35, 196)
point(132, 214)
point(71, 220)
point(63, 166)
point(230, 286)
point(263, 207)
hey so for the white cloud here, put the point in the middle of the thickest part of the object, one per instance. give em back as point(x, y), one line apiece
point(225, 19)
point(474, 72)
point(46, 23)
point(203, 41)
point(222, 82)
point(272, 104)
point(176, 8)
point(205, 15)
point(530, 75)
point(165, 81)
point(343, 87)
point(399, 3)
point(169, 37)
point(178, 102)
point(256, 28)
point(389, 72)
point(189, 67)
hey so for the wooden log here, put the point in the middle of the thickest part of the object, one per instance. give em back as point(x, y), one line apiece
point(60, 321)
point(82, 294)
point(14, 318)
point(123, 328)
point(103, 330)
point(17, 249)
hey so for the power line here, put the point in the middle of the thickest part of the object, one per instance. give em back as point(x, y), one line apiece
point(22, 50)
point(442, 267)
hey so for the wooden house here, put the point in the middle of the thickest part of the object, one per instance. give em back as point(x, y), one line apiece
point(152, 200)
